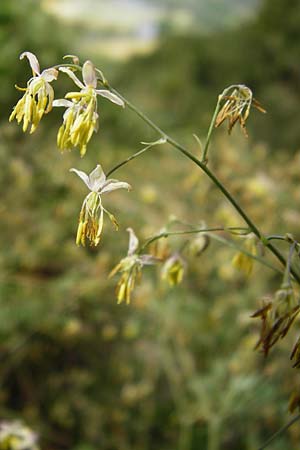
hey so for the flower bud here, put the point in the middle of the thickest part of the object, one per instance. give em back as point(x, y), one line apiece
point(173, 270)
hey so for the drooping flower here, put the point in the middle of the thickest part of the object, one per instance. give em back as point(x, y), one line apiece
point(236, 107)
point(92, 211)
point(38, 95)
point(294, 401)
point(130, 268)
point(173, 269)
point(80, 119)
point(243, 261)
point(277, 316)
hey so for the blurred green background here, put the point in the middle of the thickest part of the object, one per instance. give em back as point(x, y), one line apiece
point(176, 369)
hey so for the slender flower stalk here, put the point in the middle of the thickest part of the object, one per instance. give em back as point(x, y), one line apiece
point(204, 159)
point(211, 233)
point(135, 155)
point(279, 432)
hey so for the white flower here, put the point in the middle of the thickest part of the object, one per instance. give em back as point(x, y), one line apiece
point(38, 97)
point(81, 117)
point(16, 436)
point(92, 211)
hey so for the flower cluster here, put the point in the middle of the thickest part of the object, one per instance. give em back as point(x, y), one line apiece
point(236, 107)
point(38, 96)
point(80, 119)
point(92, 211)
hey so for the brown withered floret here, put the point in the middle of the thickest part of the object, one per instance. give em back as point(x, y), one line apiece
point(295, 354)
point(294, 401)
point(236, 107)
point(277, 317)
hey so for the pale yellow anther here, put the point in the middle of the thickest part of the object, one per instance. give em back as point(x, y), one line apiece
point(121, 292)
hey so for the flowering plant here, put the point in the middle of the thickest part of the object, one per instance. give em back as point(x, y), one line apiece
point(80, 122)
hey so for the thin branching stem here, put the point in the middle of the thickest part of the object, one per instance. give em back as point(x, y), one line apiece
point(204, 159)
point(242, 250)
point(277, 237)
point(208, 172)
point(287, 272)
point(165, 234)
point(279, 432)
point(196, 161)
point(210, 231)
point(127, 160)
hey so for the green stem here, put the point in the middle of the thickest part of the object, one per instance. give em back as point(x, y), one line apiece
point(165, 234)
point(195, 161)
point(282, 430)
point(210, 130)
point(185, 436)
point(240, 249)
point(277, 237)
point(231, 244)
point(214, 179)
point(287, 272)
point(71, 66)
point(204, 159)
point(219, 185)
point(135, 155)
point(214, 429)
point(139, 113)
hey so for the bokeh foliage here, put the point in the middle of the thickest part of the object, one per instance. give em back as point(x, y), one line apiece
point(177, 368)
point(187, 72)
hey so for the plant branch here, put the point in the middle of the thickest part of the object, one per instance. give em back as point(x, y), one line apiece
point(165, 234)
point(231, 244)
point(277, 237)
point(213, 178)
point(250, 255)
point(204, 159)
point(135, 155)
point(282, 430)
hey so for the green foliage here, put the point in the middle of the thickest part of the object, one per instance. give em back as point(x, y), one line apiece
point(212, 15)
point(188, 72)
point(82, 370)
